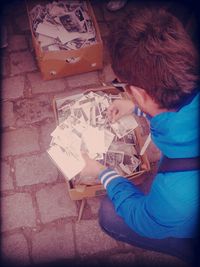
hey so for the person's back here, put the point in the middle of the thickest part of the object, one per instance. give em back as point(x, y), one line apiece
point(174, 197)
point(158, 56)
point(153, 55)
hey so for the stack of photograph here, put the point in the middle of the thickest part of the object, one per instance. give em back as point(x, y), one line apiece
point(83, 127)
point(62, 25)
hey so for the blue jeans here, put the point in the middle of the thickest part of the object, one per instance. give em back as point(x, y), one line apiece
point(113, 225)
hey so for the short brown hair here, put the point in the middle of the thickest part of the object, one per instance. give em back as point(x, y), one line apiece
point(151, 50)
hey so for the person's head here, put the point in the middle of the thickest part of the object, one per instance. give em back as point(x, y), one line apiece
point(151, 51)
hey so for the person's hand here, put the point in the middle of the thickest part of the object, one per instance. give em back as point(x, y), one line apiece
point(92, 167)
point(119, 108)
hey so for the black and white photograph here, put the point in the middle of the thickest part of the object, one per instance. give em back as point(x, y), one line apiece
point(114, 158)
point(124, 125)
point(85, 117)
point(128, 149)
point(130, 138)
point(100, 133)
point(68, 24)
point(64, 113)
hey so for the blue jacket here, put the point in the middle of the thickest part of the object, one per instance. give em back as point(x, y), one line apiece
point(170, 209)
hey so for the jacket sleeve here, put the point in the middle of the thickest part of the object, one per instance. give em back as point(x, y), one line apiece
point(135, 207)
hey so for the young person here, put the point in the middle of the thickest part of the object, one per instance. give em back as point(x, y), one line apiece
point(154, 56)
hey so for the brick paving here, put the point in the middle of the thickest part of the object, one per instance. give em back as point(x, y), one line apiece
point(17, 211)
point(39, 220)
point(40, 170)
point(15, 247)
point(16, 42)
point(53, 243)
point(16, 82)
point(40, 86)
point(21, 62)
point(7, 182)
point(19, 141)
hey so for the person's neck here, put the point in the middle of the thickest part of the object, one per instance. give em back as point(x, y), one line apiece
point(154, 110)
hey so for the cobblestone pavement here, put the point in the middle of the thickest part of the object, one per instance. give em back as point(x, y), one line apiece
point(39, 220)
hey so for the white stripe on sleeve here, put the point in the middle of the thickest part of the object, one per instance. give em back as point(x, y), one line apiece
point(106, 175)
point(109, 179)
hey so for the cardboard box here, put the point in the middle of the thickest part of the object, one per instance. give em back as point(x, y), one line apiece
point(81, 192)
point(57, 64)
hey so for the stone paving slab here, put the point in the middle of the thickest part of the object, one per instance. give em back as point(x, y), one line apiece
point(123, 259)
point(41, 86)
point(41, 170)
point(45, 136)
point(8, 114)
point(22, 23)
point(6, 178)
point(33, 110)
point(156, 259)
point(17, 42)
point(90, 239)
point(54, 203)
point(14, 250)
point(13, 87)
point(81, 80)
point(53, 243)
point(17, 211)
point(94, 204)
point(5, 65)
point(20, 141)
point(22, 62)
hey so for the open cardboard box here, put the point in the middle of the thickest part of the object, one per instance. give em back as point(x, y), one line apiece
point(57, 64)
point(81, 192)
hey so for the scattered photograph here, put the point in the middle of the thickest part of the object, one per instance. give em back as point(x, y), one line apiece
point(128, 149)
point(114, 158)
point(83, 126)
point(67, 23)
point(64, 113)
point(124, 125)
point(130, 138)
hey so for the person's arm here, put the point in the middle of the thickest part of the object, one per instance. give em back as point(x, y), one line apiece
point(123, 107)
point(148, 215)
point(141, 212)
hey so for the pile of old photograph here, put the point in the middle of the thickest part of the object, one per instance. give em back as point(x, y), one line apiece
point(62, 25)
point(83, 127)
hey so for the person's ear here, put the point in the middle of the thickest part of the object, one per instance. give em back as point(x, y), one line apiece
point(139, 95)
